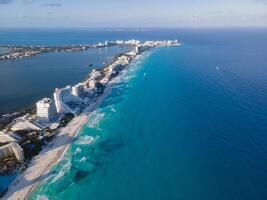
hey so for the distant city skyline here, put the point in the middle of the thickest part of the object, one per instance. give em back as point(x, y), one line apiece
point(134, 13)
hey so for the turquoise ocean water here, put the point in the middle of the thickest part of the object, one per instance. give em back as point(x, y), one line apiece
point(185, 122)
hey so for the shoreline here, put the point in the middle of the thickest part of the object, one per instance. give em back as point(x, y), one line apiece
point(26, 51)
point(40, 166)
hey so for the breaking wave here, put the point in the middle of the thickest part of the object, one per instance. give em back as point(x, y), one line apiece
point(95, 119)
point(64, 170)
point(78, 150)
point(83, 159)
point(42, 197)
point(113, 109)
point(85, 140)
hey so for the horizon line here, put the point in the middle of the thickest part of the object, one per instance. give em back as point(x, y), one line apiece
point(133, 27)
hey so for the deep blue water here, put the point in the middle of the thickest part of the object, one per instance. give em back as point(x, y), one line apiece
point(80, 36)
point(187, 122)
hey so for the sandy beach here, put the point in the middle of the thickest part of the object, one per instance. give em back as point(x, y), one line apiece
point(38, 169)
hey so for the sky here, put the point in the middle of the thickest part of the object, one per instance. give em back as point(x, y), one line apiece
point(133, 13)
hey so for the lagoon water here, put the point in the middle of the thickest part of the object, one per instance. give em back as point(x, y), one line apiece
point(25, 81)
point(187, 122)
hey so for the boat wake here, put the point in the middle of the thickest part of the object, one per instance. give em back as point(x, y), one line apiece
point(144, 76)
point(218, 69)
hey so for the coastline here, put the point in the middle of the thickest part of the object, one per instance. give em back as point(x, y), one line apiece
point(39, 168)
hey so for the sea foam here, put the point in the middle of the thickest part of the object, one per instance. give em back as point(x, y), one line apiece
point(62, 172)
point(42, 197)
point(87, 139)
point(95, 119)
point(78, 150)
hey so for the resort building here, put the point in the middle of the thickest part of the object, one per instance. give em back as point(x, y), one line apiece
point(11, 149)
point(132, 42)
point(137, 49)
point(78, 90)
point(46, 110)
point(92, 84)
point(9, 136)
point(64, 97)
point(26, 124)
point(94, 74)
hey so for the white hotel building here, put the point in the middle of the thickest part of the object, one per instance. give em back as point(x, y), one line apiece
point(46, 110)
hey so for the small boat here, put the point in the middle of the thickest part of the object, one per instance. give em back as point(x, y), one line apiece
point(91, 65)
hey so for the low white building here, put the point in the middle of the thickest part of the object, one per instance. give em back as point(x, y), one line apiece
point(9, 136)
point(94, 74)
point(26, 124)
point(104, 80)
point(12, 149)
point(46, 110)
point(92, 84)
